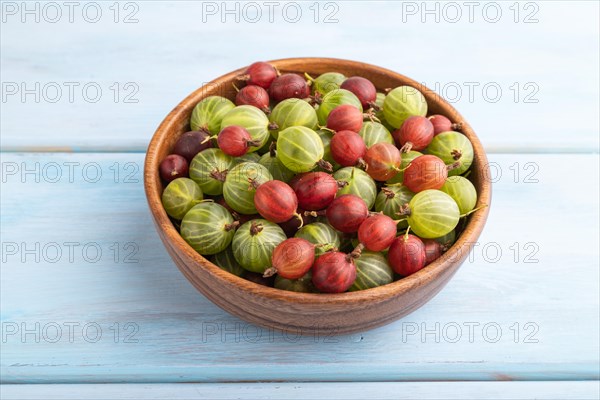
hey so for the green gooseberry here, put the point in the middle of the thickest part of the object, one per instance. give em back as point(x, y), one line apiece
point(253, 120)
point(431, 214)
point(327, 82)
point(254, 242)
point(241, 184)
point(320, 234)
point(292, 112)
point(401, 103)
point(180, 196)
point(209, 112)
point(248, 157)
point(208, 227)
point(226, 261)
point(326, 136)
point(452, 147)
point(372, 270)
point(209, 168)
point(358, 182)
point(301, 285)
point(333, 99)
point(390, 200)
point(462, 191)
point(300, 149)
point(374, 132)
point(276, 168)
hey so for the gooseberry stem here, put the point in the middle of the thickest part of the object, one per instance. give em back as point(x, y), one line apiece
point(388, 193)
point(253, 143)
point(272, 149)
point(357, 251)
point(370, 115)
point(255, 228)
point(342, 184)
point(299, 219)
point(315, 214)
point(362, 164)
point(219, 175)
point(404, 210)
point(273, 126)
point(269, 272)
point(235, 87)
point(310, 78)
point(406, 234)
point(456, 154)
point(253, 184)
point(473, 210)
point(325, 165)
point(457, 126)
point(406, 148)
point(231, 226)
point(324, 128)
point(373, 106)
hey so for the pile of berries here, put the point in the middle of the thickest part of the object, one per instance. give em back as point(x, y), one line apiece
point(318, 184)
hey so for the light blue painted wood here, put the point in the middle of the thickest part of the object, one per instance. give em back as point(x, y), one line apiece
point(171, 51)
point(298, 390)
point(182, 337)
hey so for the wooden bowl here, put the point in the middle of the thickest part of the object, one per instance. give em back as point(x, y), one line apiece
point(310, 313)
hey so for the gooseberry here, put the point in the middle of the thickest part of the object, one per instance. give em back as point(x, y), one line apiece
point(345, 118)
point(383, 161)
point(180, 196)
point(372, 270)
point(462, 191)
point(300, 149)
point(292, 112)
point(253, 120)
point(374, 132)
point(401, 103)
point(452, 147)
point(292, 258)
point(259, 73)
point(208, 227)
point(322, 235)
point(362, 88)
point(425, 172)
point(347, 148)
point(276, 201)
point(315, 190)
point(327, 82)
point(431, 214)
point(236, 141)
point(346, 213)
point(209, 113)
point(407, 255)
point(254, 242)
point(240, 186)
point(334, 99)
point(209, 169)
point(352, 180)
point(191, 143)
point(288, 86)
point(415, 133)
point(172, 167)
point(253, 95)
point(333, 272)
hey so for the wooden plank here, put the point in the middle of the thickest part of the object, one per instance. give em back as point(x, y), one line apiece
point(508, 89)
point(543, 300)
point(299, 390)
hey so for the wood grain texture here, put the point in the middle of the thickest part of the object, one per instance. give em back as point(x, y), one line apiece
point(296, 390)
point(170, 52)
point(183, 337)
point(309, 312)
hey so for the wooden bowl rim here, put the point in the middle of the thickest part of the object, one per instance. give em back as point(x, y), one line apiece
point(469, 235)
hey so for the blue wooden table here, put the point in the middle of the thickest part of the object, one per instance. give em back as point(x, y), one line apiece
point(93, 307)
